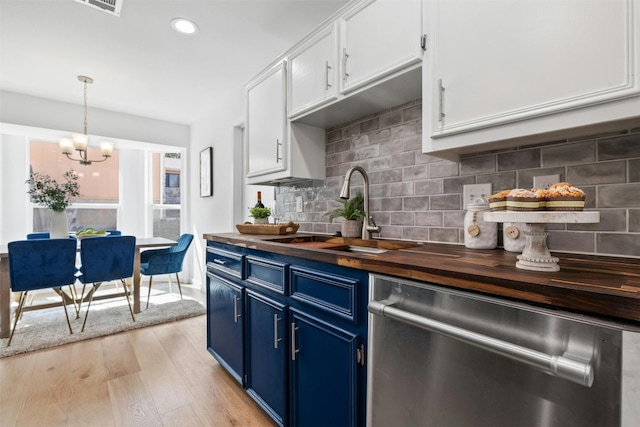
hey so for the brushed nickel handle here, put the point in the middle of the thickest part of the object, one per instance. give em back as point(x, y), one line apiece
point(219, 261)
point(294, 350)
point(236, 314)
point(441, 102)
point(276, 340)
point(345, 57)
point(560, 366)
point(278, 144)
point(327, 68)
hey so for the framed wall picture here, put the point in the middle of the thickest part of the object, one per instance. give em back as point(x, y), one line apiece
point(206, 172)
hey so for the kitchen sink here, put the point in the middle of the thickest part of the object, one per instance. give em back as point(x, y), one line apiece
point(345, 244)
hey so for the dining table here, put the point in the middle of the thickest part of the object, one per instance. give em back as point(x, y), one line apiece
point(5, 281)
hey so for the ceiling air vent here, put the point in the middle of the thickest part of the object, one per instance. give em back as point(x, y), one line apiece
point(110, 6)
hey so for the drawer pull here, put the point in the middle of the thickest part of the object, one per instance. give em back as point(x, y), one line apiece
point(219, 261)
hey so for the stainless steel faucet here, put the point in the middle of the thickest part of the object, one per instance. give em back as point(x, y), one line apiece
point(368, 225)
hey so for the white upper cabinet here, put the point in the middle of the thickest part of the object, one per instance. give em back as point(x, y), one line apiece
point(505, 69)
point(313, 72)
point(377, 38)
point(265, 129)
point(278, 150)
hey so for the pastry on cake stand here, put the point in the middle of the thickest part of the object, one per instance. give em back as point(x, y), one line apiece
point(535, 255)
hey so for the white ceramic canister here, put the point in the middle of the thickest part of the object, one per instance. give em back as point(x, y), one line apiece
point(479, 234)
point(513, 237)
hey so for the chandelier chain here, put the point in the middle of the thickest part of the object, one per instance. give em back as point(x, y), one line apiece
point(85, 108)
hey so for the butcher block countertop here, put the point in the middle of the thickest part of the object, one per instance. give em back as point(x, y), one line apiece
point(607, 287)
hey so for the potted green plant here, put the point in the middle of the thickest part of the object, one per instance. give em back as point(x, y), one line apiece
point(47, 192)
point(261, 215)
point(352, 211)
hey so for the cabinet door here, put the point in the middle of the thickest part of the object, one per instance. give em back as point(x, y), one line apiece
point(225, 324)
point(496, 62)
point(378, 38)
point(313, 70)
point(323, 373)
point(266, 122)
point(267, 355)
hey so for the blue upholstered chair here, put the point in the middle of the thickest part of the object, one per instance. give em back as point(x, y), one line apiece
point(165, 261)
point(45, 235)
point(41, 264)
point(34, 236)
point(114, 232)
point(103, 260)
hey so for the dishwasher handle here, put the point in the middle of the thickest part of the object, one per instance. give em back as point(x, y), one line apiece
point(560, 366)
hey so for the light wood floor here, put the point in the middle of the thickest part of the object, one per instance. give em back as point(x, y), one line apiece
point(156, 376)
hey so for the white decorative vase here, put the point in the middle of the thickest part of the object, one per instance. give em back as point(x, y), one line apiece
point(59, 225)
point(352, 228)
point(261, 220)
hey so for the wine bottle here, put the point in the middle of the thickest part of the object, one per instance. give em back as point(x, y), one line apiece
point(259, 204)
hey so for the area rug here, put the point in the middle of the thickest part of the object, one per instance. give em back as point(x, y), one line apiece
point(40, 329)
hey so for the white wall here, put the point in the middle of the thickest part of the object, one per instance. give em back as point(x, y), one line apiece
point(215, 213)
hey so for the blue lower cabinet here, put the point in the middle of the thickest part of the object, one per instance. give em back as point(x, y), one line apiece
point(225, 325)
point(293, 332)
point(323, 373)
point(266, 355)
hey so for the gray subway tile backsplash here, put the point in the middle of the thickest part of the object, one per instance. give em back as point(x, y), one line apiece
point(598, 173)
point(563, 154)
point(415, 196)
point(622, 147)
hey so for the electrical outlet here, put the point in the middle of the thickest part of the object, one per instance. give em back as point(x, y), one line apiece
point(299, 204)
point(545, 181)
point(471, 192)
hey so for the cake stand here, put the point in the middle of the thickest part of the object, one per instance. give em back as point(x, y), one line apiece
point(535, 255)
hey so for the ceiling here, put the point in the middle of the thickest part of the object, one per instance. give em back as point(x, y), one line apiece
point(139, 64)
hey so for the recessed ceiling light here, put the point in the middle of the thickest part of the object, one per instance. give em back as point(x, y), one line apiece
point(184, 26)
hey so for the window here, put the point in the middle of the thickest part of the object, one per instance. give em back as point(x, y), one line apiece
point(172, 179)
point(166, 169)
point(97, 205)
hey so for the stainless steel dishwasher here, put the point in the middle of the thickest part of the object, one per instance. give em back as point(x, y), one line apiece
point(441, 357)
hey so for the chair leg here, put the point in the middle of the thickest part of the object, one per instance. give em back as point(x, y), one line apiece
point(126, 294)
point(66, 314)
point(84, 286)
point(170, 287)
point(18, 314)
point(74, 296)
point(179, 287)
point(149, 294)
point(92, 291)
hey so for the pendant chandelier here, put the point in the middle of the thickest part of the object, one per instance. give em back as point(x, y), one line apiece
point(79, 142)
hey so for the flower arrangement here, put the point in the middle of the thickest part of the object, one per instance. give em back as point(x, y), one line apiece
point(46, 191)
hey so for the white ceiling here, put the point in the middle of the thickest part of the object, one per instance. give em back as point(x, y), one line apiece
point(139, 64)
